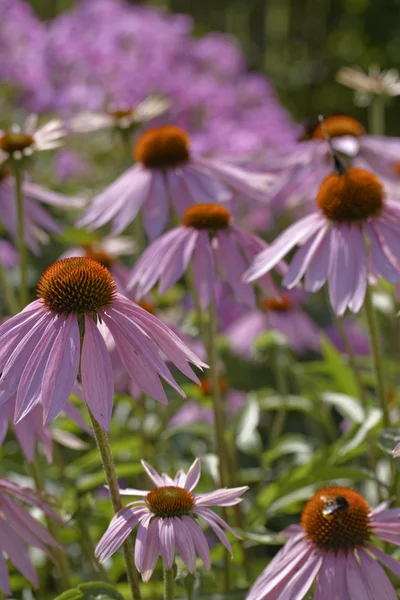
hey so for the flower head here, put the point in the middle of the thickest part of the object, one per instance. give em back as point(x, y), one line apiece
point(42, 346)
point(19, 531)
point(19, 142)
point(120, 116)
point(167, 518)
point(208, 237)
point(333, 548)
point(355, 228)
point(168, 171)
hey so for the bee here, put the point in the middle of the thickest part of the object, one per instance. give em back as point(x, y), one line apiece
point(333, 505)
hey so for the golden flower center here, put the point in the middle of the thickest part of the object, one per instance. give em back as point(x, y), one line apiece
point(337, 518)
point(76, 285)
point(170, 501)
point(207, 216)
point(99, 256)
point(162, 147)
point(15, 141)
point(205, 385)
point(354, 195)
point(146, 305)
point(338, 126)
point(281, 304)
point(120, 114)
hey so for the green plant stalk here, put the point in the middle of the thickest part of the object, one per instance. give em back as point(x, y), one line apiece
point(169, 584)
point(377, 356)
point(11, 299)
point(23, 256)
point(60, 556)
point(376, 115)
point(112, 482)
point(281, 384)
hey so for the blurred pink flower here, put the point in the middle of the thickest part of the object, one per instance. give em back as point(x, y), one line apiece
point(40, 347)
point(332, 547)
point(215, 245)
point(285, 315)
point(37, 220)
point(351, 206)
point(168, 172)
point(30, 430)
point(19, 531)
point(167, 518)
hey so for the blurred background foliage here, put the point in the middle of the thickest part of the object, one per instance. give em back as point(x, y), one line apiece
point(299, 44)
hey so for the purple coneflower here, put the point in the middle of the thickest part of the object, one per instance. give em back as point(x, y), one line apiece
point(332, 548)
point(19, 531)
point(285, 315)
point(37, 220)
point(215, 245)
point(167, 171)
point(119, 116)
point(107, 252)
point(31, 429)
point(41, 346)
point(196, 412)
point(17, 143)
point(355, 228)
point(167, 518)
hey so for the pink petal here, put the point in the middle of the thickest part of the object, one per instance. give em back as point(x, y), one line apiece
point(356, 580)
point(317, 271)
point(381, 263)
point(4, 581)
point(233, 267)
point(340, 268)
point(153, 474)
point(388, 561)
point(118, 531)
point(303, 257)
point(199, 541)
point(167, 541)
point(360, 269)
point(299, 586)
point(16, 552)
point(61, 369)
point(178, 259)
point(203, 270)
point(221, 497)
point(152, 550)
point(140, 544)
point(376, 578)
point(193, 476)
point(185, 545)
point(156, 207)
point(97, 375)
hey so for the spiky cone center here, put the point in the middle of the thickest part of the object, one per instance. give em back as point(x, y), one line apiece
point(15, 141)
point(337, 519)
point(338, 126)
point(211, 217)
point(121, 113)
point(99, 256)
point(352, 196)
point(170, 501)
point(281, 304)
point(205, 385)
point(162, 147)
point(77, 286)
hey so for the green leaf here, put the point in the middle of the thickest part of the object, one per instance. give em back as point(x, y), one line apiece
point(99, 590)
point(338, 369)
point(373, 418)
point(349, 407)
point(388, 439)
point(292, 402)
point(71, 595)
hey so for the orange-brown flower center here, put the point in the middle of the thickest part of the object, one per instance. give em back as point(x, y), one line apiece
point(76, 286)
point(337, 518)
point(205, 385)
point(207, 216)
point(162, 147)
point(338, 126)
point(354, 195)
point(146, 305)
point(98, 255)
point(15, 141)
point(396, 168)
point(281, 304)
point(170, 501)
point(120, 114)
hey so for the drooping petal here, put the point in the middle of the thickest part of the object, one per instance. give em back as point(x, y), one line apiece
point(185, 545)
point(298, 587)
point(340, 269)
point(156, 207)
point(140, 544)
point(166, 534)
point(4, 581)
point(178, 260)
point(376, 578)
point(61, 369)
point(203, 270)
point(356, 580)
point(118, 531)
point(152, 550)
point(16, 552)
point(97, 375)
point(303, 258)
point(199, 540)
point(381, 262)
point(233, 266)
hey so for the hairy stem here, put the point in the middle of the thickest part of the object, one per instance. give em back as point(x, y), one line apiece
point(112, 482)
point(169, 584)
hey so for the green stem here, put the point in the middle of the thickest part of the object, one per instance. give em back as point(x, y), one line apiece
point(60, 556)
point(23, 257)
point(10, 297)
point(376, 115)
point(169, 584)
point(112, 482)
point(377, 356)
point(281, 384)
